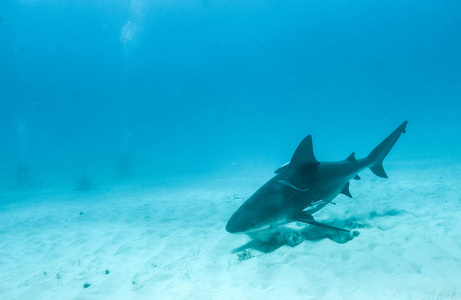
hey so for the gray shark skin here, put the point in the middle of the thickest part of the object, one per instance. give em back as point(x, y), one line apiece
point(304, 186)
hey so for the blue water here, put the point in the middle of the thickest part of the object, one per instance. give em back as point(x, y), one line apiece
point(177, 111)
point(167, 88)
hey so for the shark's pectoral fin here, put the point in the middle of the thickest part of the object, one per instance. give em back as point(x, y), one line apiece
point(292, 186)
point(309, 219)
point(357, 177)
point(346, 191)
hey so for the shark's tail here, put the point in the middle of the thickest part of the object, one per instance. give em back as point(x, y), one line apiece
point(377, 156)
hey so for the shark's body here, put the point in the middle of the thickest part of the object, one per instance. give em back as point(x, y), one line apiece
point(304, 186)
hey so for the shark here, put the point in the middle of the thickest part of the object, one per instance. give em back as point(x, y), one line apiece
point(304, 186)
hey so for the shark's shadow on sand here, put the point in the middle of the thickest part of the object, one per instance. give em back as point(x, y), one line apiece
point(270, 240)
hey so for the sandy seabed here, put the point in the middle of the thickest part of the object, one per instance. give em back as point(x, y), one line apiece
point(148, 241)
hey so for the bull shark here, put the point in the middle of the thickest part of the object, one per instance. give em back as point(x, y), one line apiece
point(304, 186)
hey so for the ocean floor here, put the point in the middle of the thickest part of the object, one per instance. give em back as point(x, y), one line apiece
point(151, 241)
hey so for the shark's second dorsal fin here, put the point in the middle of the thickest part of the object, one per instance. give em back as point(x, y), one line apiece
point(346, 190)
point(351, 157)
point(304, 154)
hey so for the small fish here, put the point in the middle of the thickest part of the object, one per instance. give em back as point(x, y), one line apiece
point(292, 186)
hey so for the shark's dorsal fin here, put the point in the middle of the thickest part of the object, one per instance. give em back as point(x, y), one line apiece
point(352, 157)
point(357, 177)
point(304, 154)
point(346, 191)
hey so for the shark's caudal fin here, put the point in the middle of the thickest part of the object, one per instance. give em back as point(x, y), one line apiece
point(379, 153)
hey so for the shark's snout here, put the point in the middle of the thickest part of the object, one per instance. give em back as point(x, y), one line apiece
point(238, 223)
point(233, 226)
point(230, 227)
